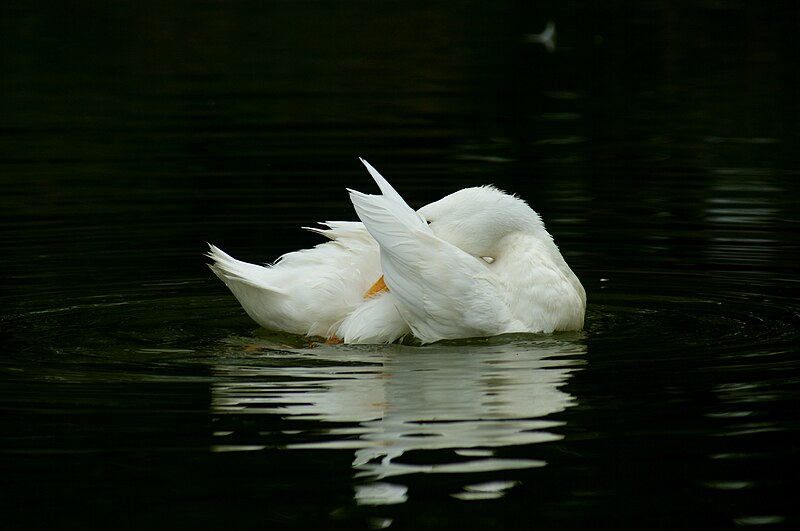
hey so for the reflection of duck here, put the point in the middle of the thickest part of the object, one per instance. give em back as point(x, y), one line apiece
point(547, 38)
point(456, 403)
point(478, 262)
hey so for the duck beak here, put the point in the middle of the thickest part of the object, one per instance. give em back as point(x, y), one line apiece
point(377, 288)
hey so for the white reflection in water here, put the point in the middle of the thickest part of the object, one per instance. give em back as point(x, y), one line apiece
point(462, 400)
point(743, 210)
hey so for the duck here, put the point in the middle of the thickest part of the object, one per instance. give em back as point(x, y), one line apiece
point(476, 263)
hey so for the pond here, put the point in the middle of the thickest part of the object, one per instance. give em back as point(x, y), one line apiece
point(658, 142)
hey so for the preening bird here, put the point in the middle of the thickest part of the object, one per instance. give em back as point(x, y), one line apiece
point(478, 262)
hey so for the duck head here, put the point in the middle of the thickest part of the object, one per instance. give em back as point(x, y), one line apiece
point(476, 220)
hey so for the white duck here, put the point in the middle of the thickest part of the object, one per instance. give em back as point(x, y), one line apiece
point(478, 262)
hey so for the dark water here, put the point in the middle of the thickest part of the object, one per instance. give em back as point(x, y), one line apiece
point(659, 141)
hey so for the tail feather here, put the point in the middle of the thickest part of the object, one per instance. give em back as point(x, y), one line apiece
point(229, 269)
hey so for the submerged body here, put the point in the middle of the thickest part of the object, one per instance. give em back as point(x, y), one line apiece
point(478, 262)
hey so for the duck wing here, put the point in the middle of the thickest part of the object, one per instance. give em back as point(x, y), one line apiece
point(442, 292)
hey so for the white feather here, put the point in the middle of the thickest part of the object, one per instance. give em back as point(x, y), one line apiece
point(478, 262)
point(308, 291)
point(444, 293)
